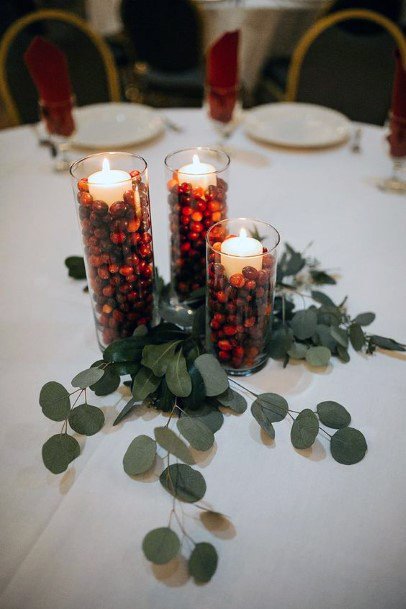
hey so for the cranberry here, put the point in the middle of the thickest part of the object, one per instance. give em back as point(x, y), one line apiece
point(85, 198)
point(224, 345)
point(229, 330)
point(250, 285)
point(224, 355)
point(113, 268)
point(237, 280)
point(103, 272)
point(118, 238)
point(146, 238)
point(145, 251)
point(128, 197)
point(83, 185)
point(125, 270)
point(118, 209)
point(250, 272)
point(249, 322)
point(100, 208)
point(108, 290)
point(263, 277)
point(134, 173)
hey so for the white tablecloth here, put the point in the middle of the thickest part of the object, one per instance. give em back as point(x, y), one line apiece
point(307, 533)
point(269, 27)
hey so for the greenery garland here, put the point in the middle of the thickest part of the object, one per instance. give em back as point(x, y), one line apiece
point(170, 371)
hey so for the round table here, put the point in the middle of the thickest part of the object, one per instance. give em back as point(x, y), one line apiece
point(305, 532)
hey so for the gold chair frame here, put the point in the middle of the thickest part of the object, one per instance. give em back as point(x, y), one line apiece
point(54, 15)
point(320, 26)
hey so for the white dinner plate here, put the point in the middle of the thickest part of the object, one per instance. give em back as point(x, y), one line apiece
point(297, 125)
point(115, 125)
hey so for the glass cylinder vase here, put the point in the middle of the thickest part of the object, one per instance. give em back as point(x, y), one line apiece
point(241, 273)
point(112, 201)
point(197, 185)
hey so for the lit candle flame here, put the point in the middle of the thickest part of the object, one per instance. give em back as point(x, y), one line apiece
point(243, 233)
point(196, 160)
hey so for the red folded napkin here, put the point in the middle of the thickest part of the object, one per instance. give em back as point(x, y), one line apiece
point(222, 76)
point(48, 68)
point(397, 137)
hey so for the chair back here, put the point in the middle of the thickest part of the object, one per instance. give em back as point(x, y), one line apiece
point(165, 34)
point(91, 65)
point(346, 70)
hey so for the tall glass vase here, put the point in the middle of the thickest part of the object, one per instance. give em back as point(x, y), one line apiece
point(112, 201)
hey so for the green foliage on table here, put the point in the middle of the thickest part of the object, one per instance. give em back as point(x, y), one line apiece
point(168, 370)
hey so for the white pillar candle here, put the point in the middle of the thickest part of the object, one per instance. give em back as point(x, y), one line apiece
point(109, 185)
point(241, 251)
point(198, 174)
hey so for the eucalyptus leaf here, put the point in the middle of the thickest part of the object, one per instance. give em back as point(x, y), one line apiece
point(86, 419)
point(364, 319)
point(343, 354)
point(214, 377)
point(177, 376)
point(333, 414)
point(298, 351)
point(87, 377)
point(387, 343)
point(262, 418)
point(161, 545)
point(173, 444)
point(76, 267)
point(157, 357)
point(197, 396)
point(165, 398)
point(282, 340)
point(108, 383)
point(304, 429)
point(209, 415)
point(321, 277)
point(141, 330)
point(123, 368)
point(145, 383)
point(318, 356)
point(348, 446)
point(233, 400)
point(166, 331)
point(58, 451)
point(196, 432)
point(54, 401)
point(324, 337)
point(126, 349)
point(128, 408)
point(274, 405)
point(139, 456)
point(322, 298)
point(304, 324)
point(340, 335)
point(357, 336)
point(203, 562)
point(183, 482)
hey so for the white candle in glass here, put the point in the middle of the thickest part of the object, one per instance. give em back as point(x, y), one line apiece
point(198, 174)
point(109, 185)
point(241, 251)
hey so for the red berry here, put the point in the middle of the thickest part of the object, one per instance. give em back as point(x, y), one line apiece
point(100, 208)
point(250, 272)
point(237, 280)
point(118, 238)
point(83, 185)
point(224, 345)
point(118, 209)
point(125, 270)
point(85, 198)
point(222, 297)
point(103, 272)
point(229, 330)
point(224, 355)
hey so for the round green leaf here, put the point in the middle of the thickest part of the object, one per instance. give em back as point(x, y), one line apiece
point(364, 319)
point(318, 356)
point(203, 562)
point(322, 298)
point(86, 420)
point(108, 382)
point(157, 357)
point(260, 415)
point(304, 324)
point(126, 349)
point(343, 354)
point(209, 415)
point(275, 407)
point(357, 336)
point(161, 545)
point(214, 377)
point(173, 444)
point(177, 376)
point(304, 429)
point(333, 414)
point(348, 446)
point(183, 482)
point(340, 335)
point(298, 351)
point(233, 400)
point(87, 377)
point(139, 456)
point(281, 341)
point(145, 383)
point(324, 337)
point(197, 396)
point(59, 451)
point(54, 401)
point(196, 433)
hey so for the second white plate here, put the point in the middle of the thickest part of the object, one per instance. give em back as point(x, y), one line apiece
point(297, 125)
point(115, 125)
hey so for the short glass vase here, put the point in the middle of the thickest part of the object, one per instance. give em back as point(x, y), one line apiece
point(112, 202)
point(241, 274)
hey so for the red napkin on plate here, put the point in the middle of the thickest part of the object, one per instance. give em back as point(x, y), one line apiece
point(222, 76)
point(48, 68)
point(397, 137)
